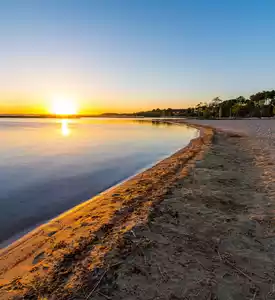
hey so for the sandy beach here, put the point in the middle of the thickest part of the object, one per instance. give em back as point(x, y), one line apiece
point(213, 237)
point(198, 225)
point(60, 254)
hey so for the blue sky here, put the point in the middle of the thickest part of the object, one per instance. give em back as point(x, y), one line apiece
point(133, 54)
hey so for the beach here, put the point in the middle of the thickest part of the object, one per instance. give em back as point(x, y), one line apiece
point(85, 234)
point(198, 225)
point(213, 237)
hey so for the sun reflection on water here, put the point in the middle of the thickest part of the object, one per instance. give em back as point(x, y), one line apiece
point(65, 130)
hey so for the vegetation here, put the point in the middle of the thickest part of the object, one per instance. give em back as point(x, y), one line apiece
point(261, 104)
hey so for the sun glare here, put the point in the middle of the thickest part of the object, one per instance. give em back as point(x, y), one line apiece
point(65, 128)
point(61, 106)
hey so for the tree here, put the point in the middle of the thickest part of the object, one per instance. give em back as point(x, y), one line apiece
point(241, 100)
point(216, 101)
point(236, 109)
point(257, 105)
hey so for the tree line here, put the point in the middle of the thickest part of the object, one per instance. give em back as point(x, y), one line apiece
point(261, 104)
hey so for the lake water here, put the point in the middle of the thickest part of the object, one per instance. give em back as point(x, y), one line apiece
point(48, 166)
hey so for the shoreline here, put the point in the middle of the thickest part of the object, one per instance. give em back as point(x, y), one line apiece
point(119, 208)
point(18, 236)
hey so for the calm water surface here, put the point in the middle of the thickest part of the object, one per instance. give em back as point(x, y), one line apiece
point(48, 166)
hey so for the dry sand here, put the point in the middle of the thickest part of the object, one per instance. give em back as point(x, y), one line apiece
point(252, 127)
point(261, 141)
point(213, 237)
point(173, 232)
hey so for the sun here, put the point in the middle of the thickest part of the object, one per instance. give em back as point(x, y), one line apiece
point(63, 106)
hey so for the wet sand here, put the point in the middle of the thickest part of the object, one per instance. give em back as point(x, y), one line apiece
point(59, 257)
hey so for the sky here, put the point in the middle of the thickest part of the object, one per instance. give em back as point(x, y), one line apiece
point(132, 55)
